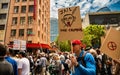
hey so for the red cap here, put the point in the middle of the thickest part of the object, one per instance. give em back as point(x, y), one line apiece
point(76, 42)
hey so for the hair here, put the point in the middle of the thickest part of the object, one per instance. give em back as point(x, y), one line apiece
point(23, 53)
point(3, 50)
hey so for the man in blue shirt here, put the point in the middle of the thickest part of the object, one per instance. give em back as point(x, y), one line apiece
point(79, 69)
point(12, 61)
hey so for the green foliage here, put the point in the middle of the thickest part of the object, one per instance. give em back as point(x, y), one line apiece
point(92, 35)
point(63, 46)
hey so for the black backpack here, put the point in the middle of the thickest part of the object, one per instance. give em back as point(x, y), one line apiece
point(82, 59)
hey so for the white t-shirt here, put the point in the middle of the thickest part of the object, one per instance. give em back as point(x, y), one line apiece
point(24, 65)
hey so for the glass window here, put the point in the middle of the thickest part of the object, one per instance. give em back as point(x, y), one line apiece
point(39, 22)
point(23, 9)
point(2, 16)
point(21, 32)
point(17, 0)
point(29, 32)
point(22, 20)
point(2, 27)
point(14, 20)
point(24, 0)
point(4, 5)
point(16, 8)
point(31, 8)
point(30, 19)
point(13, 32)
point(38, 33)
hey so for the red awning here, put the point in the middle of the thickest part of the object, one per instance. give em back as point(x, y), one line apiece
point(37, 45)
point(34, 45)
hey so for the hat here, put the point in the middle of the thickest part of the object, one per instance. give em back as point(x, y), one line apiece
point(76, 42)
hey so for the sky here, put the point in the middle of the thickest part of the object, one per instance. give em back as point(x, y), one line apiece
point(85, 5)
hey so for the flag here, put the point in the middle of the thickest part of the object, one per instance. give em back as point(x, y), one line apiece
point(34, 12)
point(111, 44)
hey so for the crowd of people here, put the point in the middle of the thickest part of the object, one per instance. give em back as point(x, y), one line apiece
point(78, 62)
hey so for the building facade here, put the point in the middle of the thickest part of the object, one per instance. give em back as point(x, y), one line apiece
point(53, 29)
point(4, 9)
point(102, 18)
point(29, 20)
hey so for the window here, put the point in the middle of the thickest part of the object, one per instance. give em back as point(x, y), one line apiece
point(31, 8)
point(38, 33)
point(30, 19)
point(17, 0)
point(16, 8)
point(2, 27)
point(42, 36)
point(4, 5)
point(22, 20)
point(23, 9)
point(13, 32)
point(14, 20)
point(21, 32)
point(39, 22)
point(24, 0)
point(2, 16)
point(29, 32)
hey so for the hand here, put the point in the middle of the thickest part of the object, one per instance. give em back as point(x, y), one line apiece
point(74, 61)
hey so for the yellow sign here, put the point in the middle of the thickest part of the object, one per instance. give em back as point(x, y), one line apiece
point(111, 44)
point(70, 26)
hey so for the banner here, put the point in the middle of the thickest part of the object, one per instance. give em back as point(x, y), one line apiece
point(35, 8)
point(70, 26)
point(111, 44)
point(16, 45)
point(23, 45)
point(19, 45)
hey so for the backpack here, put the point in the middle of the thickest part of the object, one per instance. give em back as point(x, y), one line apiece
point(38, 68)
point(82, 58)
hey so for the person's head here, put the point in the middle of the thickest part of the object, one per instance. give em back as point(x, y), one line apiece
point(77, 45)
point(22, 54)
point(3, 50)
point(93, 52)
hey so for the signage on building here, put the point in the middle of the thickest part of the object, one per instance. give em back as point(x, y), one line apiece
point(70, 26)
point(16, 45)
point(111, 44)
point(19, 45)
point(23, 45)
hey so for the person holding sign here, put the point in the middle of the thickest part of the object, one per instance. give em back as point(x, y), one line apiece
point(84, 63)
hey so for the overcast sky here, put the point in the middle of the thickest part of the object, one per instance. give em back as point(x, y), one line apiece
point(85, 5)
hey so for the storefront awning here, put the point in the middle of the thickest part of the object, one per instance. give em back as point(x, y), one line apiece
point(37, 45)
point(34, 45)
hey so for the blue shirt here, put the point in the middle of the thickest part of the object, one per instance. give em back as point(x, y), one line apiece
point(90, 68)
point(14, 64)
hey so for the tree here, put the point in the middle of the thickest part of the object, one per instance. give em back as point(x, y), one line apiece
point(92, 35)
point(63, 45)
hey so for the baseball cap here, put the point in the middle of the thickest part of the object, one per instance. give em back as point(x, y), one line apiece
point(76, 42)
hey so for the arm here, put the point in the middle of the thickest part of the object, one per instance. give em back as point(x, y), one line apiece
point(19, 67)
point(19, 71)
point(90, 68)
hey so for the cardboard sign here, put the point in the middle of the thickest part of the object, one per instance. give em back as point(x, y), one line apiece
point(111, 44)
point(70, 26)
